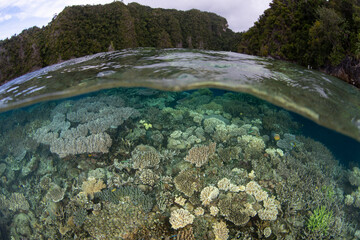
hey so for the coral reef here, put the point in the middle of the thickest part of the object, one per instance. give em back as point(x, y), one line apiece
point(354, 177)
point(233, 208)
point(253, 146)
point(92, 186)
point(208, 194)
point(191, 166)
point(220, 230)
point(116, 221)
point(199, 211)
point(288, 142)
point(80, 216)
point(185, 233)
point(267, 232)
point(92, 117)
point(180, 218)
point(135, 194)
point(187, 182)
point(199, 155)
point(214, 211)
point(148, 177)
point(55, 193)
point(17, 201)
point(145, 156)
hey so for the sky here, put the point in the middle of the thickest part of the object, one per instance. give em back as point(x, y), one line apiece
point(17, 15)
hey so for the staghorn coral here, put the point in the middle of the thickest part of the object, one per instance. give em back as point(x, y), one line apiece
point(145, 156)
point(90, 118)
point(187, 182)
point(199, 155)
point(17, 201)
point(55, 193)
point(220, 230)
point(180, 218)
point(208, 194)
point(148, 177)
point(92, 185)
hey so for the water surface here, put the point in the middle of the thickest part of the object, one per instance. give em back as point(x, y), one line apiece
point(169, 144)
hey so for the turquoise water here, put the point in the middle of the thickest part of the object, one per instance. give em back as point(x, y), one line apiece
point(139, 163)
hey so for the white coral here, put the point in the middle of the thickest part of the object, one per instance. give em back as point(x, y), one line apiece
point(180, 218)
point(220, 231)
point(224, 184)
point(208, 194)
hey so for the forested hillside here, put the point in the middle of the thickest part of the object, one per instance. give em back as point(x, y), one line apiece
point(82, 30)
point(316, 33)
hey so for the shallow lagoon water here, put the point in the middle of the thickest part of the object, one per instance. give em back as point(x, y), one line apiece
point(141, 163)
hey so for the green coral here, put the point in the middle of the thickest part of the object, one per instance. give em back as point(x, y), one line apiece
point(320, 220)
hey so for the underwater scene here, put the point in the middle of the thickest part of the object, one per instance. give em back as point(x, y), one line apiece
point(139, 163)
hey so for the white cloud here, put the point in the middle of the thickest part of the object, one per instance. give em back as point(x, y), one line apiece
point(5, 17)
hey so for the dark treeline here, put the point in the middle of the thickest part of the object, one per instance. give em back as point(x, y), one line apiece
point(318, 33)
point(82, 30)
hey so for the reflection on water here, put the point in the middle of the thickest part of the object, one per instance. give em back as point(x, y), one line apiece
point(138, 163)
point(321, 98)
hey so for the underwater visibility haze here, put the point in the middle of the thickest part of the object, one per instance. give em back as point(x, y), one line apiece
point(179, 144)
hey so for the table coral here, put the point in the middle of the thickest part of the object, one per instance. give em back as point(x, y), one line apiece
point(145, 156)
point(199, 155)
point(81, 127)
point(187, 182)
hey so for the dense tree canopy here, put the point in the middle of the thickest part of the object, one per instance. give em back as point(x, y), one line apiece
point(82, 30)
point(310, 32)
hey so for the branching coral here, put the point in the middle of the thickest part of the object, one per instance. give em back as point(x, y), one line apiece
point(320, 220)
